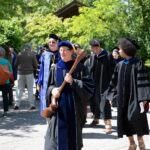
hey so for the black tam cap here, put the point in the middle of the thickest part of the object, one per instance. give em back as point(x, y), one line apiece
point(134, 42)
point(115, 49)
point(54, 36)
point(65, 43)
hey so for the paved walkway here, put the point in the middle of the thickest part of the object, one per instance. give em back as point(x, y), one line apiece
point(25, 129)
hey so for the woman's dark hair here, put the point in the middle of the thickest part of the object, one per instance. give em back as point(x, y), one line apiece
point(46, 46)
point(129, 46)
point(96, 42)
point(77, 45)
point(8, 53)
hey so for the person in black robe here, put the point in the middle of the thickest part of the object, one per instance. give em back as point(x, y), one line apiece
point(40, 50)
point(100, 65)
point(130, 84)
point(65, 128)
point(117, 59)
point(116, 55)
point(79, 48)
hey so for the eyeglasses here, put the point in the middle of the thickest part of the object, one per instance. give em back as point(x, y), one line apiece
point(65, 50)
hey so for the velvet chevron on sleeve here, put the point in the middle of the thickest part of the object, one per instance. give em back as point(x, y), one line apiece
point(143, 82)
point(112, 90)
point(130, 85)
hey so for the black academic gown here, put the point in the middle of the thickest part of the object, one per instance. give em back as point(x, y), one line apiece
point(101, 70)
point(130, 85)
point(82, 88)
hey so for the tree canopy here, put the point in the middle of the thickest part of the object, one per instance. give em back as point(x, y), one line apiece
point(31, 21)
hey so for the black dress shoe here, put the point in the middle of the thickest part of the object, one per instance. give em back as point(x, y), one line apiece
point(16, 107)
point(94, 123)
point(32, 107)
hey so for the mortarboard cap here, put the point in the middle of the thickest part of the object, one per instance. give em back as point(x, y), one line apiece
point(54, 36)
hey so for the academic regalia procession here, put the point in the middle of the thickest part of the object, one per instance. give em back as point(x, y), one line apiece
point(65, 127)
point(130, 85)
point(126, 74)
point(100, 65)
point(74, 74)
point(117, 59)
point(47, 59)
point(102, 76)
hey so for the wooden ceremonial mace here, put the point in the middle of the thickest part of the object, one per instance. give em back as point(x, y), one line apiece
point(51, 109)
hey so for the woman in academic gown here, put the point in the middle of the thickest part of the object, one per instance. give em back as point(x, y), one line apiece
point(65, 128)
point(131, 86)
point(117, 59)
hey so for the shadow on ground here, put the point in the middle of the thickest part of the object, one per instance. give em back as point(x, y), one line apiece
point(98, 136)
point(22, 119)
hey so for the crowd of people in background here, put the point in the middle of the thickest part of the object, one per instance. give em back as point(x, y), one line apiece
point(101, 80)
